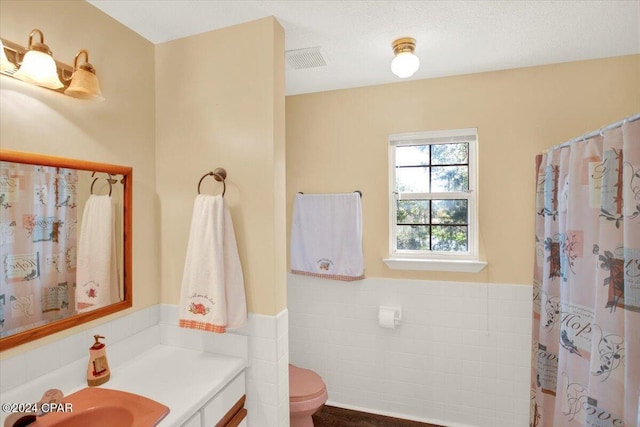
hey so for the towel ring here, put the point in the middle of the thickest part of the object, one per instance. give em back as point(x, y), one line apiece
point(109, 181)
point(219, 175)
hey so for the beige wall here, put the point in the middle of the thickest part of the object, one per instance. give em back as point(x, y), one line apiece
point(228, 111)
point(338, 142)
point(119, 130)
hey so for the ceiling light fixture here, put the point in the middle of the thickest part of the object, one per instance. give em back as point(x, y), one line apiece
point(36, 65)
point(405, 63)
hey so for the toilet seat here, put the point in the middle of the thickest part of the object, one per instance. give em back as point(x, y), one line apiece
point(304, 384)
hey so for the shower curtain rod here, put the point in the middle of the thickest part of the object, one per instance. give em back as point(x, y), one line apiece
point(600, 131)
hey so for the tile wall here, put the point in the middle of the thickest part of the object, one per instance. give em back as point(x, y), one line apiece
point(460, 357)
point(268, 371)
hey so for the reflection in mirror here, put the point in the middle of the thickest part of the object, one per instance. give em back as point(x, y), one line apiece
point(65, 244)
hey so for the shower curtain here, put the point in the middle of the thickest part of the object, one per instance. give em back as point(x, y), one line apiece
point(586, 294)
point(38, 222)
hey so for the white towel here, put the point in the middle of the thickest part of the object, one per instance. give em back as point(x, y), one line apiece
point(326, 236)
point(97, 279)
point(212, 296)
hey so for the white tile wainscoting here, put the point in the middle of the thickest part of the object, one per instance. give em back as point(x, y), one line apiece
point(268, 371)
point(460, 357)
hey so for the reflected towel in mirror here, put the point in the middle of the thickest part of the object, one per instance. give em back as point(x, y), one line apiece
point(97, 283)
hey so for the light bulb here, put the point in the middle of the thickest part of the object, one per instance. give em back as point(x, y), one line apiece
point(405, 64)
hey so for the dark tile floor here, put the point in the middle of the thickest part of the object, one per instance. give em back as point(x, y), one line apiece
point(330, 416)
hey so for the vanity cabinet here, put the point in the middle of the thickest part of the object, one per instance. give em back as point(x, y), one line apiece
point(225, 409)
point(194, 421)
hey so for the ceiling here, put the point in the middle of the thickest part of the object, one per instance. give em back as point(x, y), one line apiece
point(452, 37)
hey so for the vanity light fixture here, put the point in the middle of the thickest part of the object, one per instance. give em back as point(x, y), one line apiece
point(36, 65)
point(405, 63)
point(5, 64)
point(84, 83)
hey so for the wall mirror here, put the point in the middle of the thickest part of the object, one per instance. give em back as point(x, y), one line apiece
point(65, 244)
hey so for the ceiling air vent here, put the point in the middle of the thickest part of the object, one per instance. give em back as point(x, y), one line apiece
point(310, 57)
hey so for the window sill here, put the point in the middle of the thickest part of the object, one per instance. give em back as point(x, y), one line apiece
point(461, 266)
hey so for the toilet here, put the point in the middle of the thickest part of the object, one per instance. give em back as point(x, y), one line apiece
point(307, 393)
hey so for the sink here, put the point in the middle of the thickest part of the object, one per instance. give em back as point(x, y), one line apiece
point(103, 407)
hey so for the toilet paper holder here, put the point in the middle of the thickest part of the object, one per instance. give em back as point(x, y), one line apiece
point(397, 314)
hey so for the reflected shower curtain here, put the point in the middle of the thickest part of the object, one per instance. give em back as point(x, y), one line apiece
point(38, 222)
point(586, 324)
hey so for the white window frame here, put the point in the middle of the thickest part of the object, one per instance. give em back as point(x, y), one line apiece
point(436, 260)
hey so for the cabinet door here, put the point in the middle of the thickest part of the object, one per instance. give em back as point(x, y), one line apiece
point(215, 410)
point(194, 421)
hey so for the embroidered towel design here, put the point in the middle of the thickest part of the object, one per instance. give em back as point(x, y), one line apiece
point(97, 279)
point(326, 236)
point(212, 296)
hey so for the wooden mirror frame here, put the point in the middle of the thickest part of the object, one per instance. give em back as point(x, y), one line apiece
point(127, 247)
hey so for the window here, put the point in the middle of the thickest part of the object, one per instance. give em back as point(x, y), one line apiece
point(433, 214)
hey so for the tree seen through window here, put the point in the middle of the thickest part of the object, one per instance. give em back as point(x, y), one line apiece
point(432, 220)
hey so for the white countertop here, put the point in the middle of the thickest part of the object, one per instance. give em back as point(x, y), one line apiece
point(182, 379)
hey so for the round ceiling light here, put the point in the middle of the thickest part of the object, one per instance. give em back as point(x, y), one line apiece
point(405, 63)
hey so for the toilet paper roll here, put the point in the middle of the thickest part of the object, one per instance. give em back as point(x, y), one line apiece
point(386, 317)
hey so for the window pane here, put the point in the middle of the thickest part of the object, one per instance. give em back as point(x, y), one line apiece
point(450, 154)
point(412, 155)
point(449, 178)
point(449, 238)
point(414, 180)
point(413, 212)
point(450, 212)
point(413, 237)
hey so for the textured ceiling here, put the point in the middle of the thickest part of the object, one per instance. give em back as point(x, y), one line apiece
point(453, 37)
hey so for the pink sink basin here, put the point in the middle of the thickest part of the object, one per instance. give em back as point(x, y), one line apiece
point(103, 407)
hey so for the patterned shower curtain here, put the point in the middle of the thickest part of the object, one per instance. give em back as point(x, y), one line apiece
point(586, 320)
point(38, 222)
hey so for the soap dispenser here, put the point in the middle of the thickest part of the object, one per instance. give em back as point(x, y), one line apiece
point(98, 370)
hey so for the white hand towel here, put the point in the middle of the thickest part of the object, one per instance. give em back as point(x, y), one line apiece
point(97, 279)
point(326, 236)
point(212, 296)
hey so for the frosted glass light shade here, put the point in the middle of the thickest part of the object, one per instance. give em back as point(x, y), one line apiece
point(5, 64)
point(405, 64)
point(84, 85)
point(39, 68)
